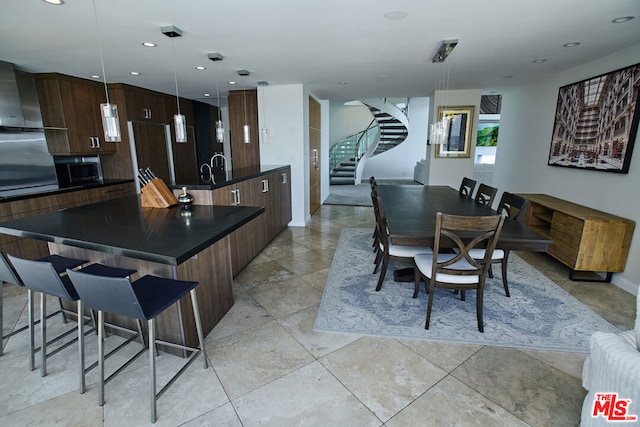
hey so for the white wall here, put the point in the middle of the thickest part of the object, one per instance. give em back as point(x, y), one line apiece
point(526, 125)
point(285, 115)
point(325, 139)
point(346, 120)
point(450, 171)
point(400, 162)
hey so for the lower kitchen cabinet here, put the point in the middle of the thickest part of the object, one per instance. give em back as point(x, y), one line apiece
point(271, 190)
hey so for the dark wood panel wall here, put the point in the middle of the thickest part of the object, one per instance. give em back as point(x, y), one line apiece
point(243, 109)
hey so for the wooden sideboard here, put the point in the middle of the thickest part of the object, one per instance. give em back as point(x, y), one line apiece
point(584, 239)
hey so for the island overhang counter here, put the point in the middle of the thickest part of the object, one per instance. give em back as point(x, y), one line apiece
point(175, 243)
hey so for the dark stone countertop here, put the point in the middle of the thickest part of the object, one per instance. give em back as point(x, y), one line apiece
point(123, 227)
point(103, 183)
point(231, 177)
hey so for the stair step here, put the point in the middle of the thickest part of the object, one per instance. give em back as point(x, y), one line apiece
point(336, 173)
point(342, 181)
point(344, 168)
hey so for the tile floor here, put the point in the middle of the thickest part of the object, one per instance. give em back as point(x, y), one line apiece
point(270, 368)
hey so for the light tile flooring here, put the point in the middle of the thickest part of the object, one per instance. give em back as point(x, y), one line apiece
point(270, 368)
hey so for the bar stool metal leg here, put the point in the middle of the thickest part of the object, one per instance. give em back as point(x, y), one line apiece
point(32, 351)
point(152, 366)
point(81, 345)
point(196, 314)
point(43, 334)
point(101, 357)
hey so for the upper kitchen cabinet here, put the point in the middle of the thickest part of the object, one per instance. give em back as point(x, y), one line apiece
point(70, 109)
point(243, 110)
point(145, 105)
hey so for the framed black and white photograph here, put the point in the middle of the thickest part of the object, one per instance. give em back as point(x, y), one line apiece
point(458, 141)
point(596, 122)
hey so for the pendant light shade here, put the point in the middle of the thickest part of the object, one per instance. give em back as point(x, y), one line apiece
point(180, 124)
point(110, 122)
point(219, 131)
point(246, 131)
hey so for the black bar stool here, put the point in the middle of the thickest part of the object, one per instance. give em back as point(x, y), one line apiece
point(42, 276)
point(9, 275)
point(143, 299)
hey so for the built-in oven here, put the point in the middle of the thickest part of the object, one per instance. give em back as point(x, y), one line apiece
point(73, 174)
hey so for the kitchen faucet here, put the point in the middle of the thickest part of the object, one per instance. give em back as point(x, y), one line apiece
point(206, 169)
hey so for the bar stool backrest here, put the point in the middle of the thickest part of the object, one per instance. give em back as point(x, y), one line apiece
point(113, 295)
point(40, 276)
point(7, 274)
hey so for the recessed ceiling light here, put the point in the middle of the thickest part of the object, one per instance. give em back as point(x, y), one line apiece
point(343, 83)
point(149, 44)
point(232, 82)
point(56, 2)
point(200, 68)
point(508, 77)
point(207, 94)
point(396, 14)
point(95, 76)
point(134, 73)
point(573, 44)
point(539, 61)
point(622, 19)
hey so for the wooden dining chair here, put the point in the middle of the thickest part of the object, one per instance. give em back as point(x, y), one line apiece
point(458, 270)
point(386, 249)
point(467, 186)
point(515, 207)
point(374, 190)
point(485, 195)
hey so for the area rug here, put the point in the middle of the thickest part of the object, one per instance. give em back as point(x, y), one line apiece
point(538, 315)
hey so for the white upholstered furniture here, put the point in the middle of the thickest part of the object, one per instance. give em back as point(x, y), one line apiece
point(613, 366)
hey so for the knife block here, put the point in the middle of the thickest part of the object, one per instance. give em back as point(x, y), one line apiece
point(156, 194)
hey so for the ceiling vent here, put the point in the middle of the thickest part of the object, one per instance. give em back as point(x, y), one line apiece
point(243, 72)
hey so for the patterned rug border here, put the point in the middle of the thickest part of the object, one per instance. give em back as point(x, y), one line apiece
point(350, 293)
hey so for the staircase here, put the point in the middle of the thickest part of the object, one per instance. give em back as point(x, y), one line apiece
point(392, 131)
point(387, 130)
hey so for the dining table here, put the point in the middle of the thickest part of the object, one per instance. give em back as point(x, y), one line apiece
point(411, 218)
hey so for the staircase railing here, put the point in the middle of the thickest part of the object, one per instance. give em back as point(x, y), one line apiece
point(351, 146)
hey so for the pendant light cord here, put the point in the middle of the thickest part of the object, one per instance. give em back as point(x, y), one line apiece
point(104, 74)
point(175, 73)
point(244, 99)
point(218, 96)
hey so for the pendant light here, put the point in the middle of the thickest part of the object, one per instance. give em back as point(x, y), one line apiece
point(108, 111)
point(262, 118)
point(439, 130)
point(179, 121)
point(216, 57)
point(246, 131)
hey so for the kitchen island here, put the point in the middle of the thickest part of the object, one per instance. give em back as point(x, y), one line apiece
point(173, 243)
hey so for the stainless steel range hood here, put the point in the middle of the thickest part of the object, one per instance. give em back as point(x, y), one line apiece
point(19, 105)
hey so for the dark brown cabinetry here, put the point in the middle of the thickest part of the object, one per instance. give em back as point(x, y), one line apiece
point(70, 110)
point(145, 105)
point(243, 109)
point(271, 190)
